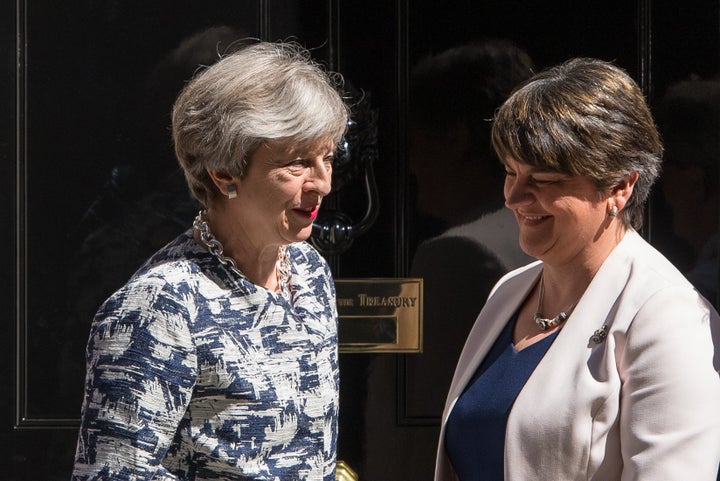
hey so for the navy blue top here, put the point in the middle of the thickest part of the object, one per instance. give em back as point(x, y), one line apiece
point(475, 431)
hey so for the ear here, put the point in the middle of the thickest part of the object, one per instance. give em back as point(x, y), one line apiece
point(621, 193)
point(223, 181)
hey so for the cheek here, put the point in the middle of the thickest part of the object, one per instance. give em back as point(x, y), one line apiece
point(284, 187)
point(507, 185)
point(591, 218)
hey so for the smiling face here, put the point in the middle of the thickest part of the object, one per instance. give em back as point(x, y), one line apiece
point(280, 194)
point(283, 188)
point(562, 218)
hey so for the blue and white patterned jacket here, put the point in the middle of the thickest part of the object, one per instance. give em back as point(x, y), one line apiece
point(196, 374)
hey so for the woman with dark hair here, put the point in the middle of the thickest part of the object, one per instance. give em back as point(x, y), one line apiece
point(600, 360)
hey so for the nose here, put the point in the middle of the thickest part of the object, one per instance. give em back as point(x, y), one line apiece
point(517, 193)
point(319, 178)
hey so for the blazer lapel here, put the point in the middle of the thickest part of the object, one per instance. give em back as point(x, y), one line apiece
point(550, 397)
point(593, 310)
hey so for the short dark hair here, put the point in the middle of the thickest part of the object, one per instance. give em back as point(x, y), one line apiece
point(585, 117)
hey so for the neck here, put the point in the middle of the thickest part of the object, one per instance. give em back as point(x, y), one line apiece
point(257, 262)
point(568, 280)
point(563, 288)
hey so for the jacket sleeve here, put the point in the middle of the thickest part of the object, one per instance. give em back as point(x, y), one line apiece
point(670, 397)
point(141, 369)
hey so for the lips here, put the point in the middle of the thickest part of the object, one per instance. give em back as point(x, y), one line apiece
point(531, 219)
point(308, 212)
point(314, 212)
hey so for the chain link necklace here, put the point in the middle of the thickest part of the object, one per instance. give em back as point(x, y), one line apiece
point(216, 248)
point(543, 322)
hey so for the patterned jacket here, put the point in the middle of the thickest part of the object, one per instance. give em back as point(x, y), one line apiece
point(194, 373)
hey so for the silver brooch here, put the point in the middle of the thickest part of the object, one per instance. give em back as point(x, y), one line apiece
point(599, 335)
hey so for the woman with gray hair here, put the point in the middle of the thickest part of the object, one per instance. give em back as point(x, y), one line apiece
point(218, 358)
point(600, 360)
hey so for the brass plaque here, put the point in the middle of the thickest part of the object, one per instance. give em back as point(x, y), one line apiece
point(380, 315)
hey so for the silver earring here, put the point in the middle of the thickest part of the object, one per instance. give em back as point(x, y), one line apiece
point(231, 192)
point(613, 211)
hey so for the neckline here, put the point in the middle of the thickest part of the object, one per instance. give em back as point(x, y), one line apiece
point(510, 329)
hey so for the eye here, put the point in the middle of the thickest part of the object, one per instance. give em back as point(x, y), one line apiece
point(509, 173)
point(545, 180)
point(542, 181)
point(296, 166)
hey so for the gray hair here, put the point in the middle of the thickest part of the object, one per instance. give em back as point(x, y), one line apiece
point(263, 92)
point(584, 117)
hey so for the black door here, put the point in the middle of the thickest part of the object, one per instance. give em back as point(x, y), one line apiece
point(91, 189)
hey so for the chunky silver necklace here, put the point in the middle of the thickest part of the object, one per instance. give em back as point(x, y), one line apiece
point(216, 248)
point(543, 322)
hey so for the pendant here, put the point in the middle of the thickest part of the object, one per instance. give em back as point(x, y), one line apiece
point(544, 323)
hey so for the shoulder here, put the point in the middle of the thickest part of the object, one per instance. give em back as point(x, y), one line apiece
point(303, 252)
point(518, 278)
point(147, 311)
point(169, 281)
point(648, 259)
point(180, 253)
point(649, 272)
point(182, 263)
point(311, 279)
point(307, 261)
point(658, 305)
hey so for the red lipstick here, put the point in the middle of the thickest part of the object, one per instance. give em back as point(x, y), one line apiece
point(314, 212)
point(310, 214)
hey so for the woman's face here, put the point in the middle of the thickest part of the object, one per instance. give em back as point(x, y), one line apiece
point(562, 218)
point(280, 193)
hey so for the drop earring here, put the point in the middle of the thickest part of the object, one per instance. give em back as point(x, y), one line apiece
point(231, 192)
point(613, 211)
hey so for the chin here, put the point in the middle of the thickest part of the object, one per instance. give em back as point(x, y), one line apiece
point(299, 236)
point(532, 250)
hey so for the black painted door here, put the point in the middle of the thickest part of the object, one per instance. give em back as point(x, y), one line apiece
point(90, 187)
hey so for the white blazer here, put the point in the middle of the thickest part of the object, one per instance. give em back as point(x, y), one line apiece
point(642, 404)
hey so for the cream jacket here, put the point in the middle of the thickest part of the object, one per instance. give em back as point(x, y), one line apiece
point(641, 404)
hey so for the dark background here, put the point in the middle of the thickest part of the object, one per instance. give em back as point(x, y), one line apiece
point(90, 187)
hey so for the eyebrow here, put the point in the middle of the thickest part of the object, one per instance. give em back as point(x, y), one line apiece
point(537, 170)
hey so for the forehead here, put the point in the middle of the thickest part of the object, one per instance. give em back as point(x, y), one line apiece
point(522, 167)
point(291, 149)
